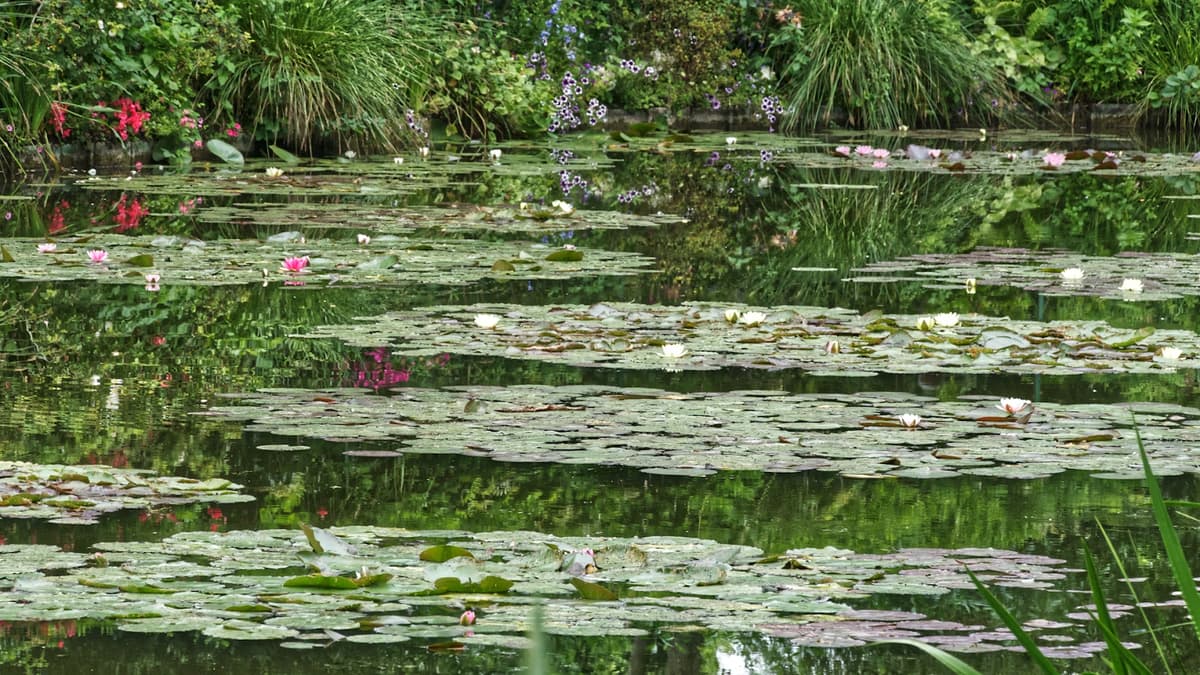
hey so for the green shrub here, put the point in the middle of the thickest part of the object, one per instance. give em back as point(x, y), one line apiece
point(1173, 70)
point(887, 63)
point(325, 71)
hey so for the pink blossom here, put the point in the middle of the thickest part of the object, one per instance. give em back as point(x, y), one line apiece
point(467, 618)
point(843, 150)
point(881, 153)
point(97, 255)
point(863, 150)
point(879, 164)
point(1054, 160)
point(294, 264)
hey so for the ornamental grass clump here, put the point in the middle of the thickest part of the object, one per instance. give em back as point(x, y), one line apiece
point(329, 71)
point(886, 63)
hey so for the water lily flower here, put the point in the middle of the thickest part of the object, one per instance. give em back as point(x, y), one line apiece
point(467, 618)
point(97, 255)
point(486, 321)
point(153, 288)
point(350, 154)
point(881, 153)
point(903, 128)
point(879, 164)
point(833, 347)
point(1132, 285)
point(495, 153)
point(47, 248)
point(1054, 160)
point(843, 150)
point(92, 173)
point(730, 140)
point(926, 323)
point(732, 315)
point(363, 239)
point(970, 286)
point(909, 420)
point(864, 150)
point(397, 160)
point(935, 153)
point(563, 207)
point(674, 351)
point(1170, 353)
point(295, 265)
point(152, 278)
point(1012, 406)
point(273, 172)
point(946, 319)
point(424, 152)
point(1071, 274)
point(752, 318)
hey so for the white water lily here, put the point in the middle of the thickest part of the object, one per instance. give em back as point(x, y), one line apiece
point(1071, 274)
point(563, 207)
point(971, 286)
point(833, 347)
point(350, 154)
point(495, 153)
point(486, 321)
point(397, 160)
point(363, 239)
point(732, 315)
point(909, 420)
point(946, 319)
point(424, 152)
point(1131, 285)
point(274, 172)
point(674, 351)
point(1170, 353)
point(752, 318)
point(1012, 406)
point(730, 140)
point(926, 323)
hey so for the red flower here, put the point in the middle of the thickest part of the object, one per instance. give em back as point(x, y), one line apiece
point(322, 512)
point(58, 118)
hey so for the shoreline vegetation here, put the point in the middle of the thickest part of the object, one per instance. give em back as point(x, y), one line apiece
point(327, 77)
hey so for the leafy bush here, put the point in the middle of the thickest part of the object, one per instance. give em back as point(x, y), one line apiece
point(886, 63)
point(481, 91)
point(317, 71)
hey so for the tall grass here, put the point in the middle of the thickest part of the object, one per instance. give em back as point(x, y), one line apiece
point(1119, 659)
point(1178, 25)
point(887, 63)
point(24, 99)
point(341, 71)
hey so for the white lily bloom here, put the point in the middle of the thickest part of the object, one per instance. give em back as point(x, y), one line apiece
point(1170, 353)
point(730, 140)
point(486, 320)
point(1071, 274)
point(752, 318)
point(1012, 406)
point(731, 315)
point(909, 420)
point(364, 239)
point(495, 153)
point(274, 172)
point(926, 323)
point(674, 351)
point(1132, 285)
point(397, 160)
point(946, 319)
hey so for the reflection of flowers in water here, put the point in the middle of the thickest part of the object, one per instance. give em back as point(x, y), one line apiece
point(376, 370)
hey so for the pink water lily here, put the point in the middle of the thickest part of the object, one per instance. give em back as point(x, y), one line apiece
point(1012, 406)
point(295, 265)
point(1054, 160)
point(47, 248)
point(97, 255)
point(467, 618)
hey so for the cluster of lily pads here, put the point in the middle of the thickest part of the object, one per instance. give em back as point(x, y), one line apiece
point(1125, 276)
point(698, 434)
point(823, 341)
point(289, 256)
point(79, 495)
point(377, 585)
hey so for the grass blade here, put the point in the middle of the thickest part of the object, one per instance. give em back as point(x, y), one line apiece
point(1121, 660)
point(1170, 538)
point(952, 663)
point(1044, 664)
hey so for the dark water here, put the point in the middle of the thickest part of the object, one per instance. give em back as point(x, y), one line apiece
point(112, 375)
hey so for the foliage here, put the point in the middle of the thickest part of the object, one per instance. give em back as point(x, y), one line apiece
point(481, 91)
point(889, 63)
point(319, 72)
point(1173, 90)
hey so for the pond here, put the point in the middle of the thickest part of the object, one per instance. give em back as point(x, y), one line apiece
point(685, 402)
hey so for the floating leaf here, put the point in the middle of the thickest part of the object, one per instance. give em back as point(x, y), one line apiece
point(591, 591)
point(445, 552)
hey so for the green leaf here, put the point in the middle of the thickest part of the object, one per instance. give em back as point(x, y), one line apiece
point(591, 591)
point(284, 154)
point(565, 255)
point(5, 256)
point(952, 663)
point(372, 579)
point(1026, 640)
point(440, 554)
point(321, 581)
point(503, 266)
point(143, 260)
point(488, 584)
point(1170, 538)
point(225, 151)
point(381, 263)
point(1119, 656)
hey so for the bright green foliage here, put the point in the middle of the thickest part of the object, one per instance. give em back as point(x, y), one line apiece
point(888, 63)
point(325, 73)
